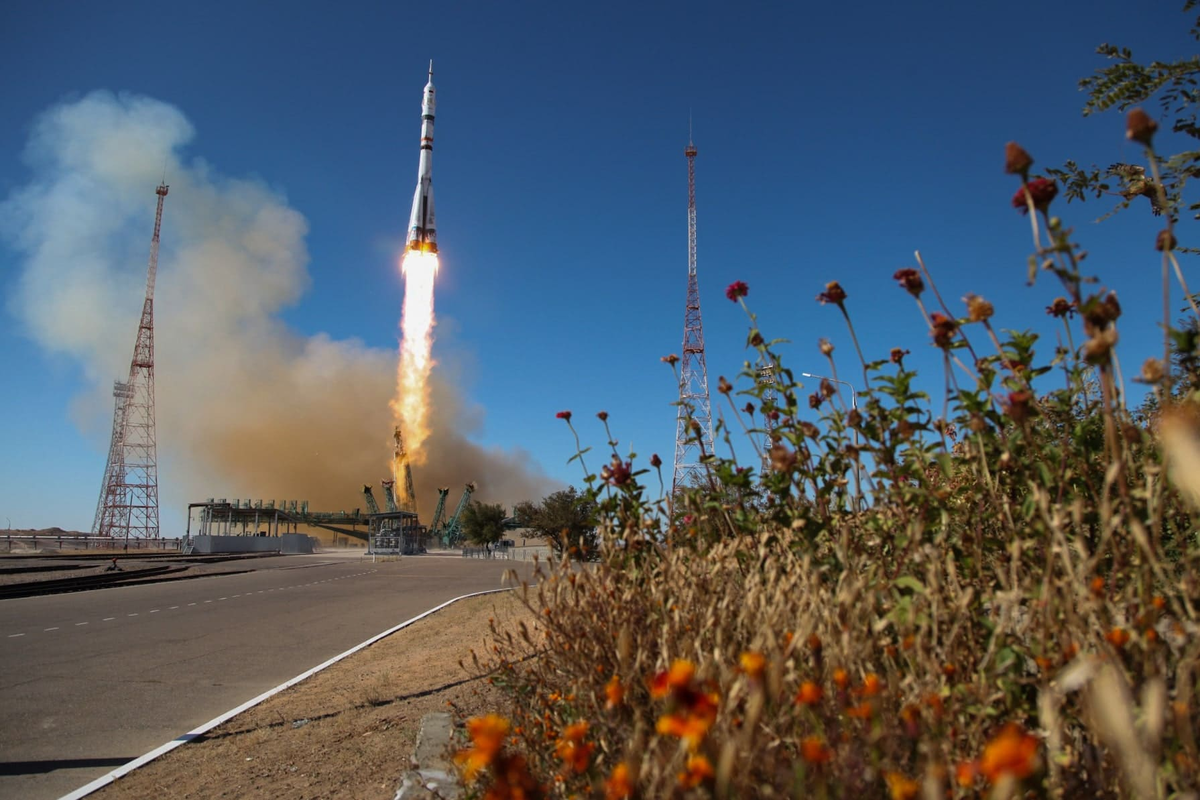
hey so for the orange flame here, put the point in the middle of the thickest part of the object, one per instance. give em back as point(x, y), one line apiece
point(411, 404)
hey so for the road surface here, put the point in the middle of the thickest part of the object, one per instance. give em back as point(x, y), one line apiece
point(91, 680)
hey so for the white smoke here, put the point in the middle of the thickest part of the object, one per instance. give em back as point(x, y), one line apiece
point(246, 407)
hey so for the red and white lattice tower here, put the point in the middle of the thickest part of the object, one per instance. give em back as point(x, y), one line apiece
point(693, 427)
point(128, 506)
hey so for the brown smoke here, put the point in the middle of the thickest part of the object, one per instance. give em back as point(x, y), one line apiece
point(246, 407)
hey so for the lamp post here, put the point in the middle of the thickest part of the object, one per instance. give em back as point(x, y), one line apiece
point(854, 405)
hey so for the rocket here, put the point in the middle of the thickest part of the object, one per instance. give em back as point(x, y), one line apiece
point(422, 231)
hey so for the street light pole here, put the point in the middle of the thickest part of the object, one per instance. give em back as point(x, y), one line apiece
point(854, 405)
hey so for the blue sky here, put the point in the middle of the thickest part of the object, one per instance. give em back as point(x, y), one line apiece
point(834, 139)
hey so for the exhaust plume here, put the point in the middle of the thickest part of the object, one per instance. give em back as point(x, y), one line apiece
point(246, 407)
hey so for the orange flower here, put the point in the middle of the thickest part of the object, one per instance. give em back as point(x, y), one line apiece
point(614, 691)
point(1012, 751)
point(678, 676)
point(572, 750)
point(1117, 637)
point(814, 751)
point(487, 738)
point(1097, 586)
point(901, 787)
point(692, 727)
point(814, 642)
point(753, 664)
point(618, 786)
point(861, 711)
point(809, 695)
point(840, 678)
point(964, 774)
point(871, 685)
point(699, 769)
point(1159, 603)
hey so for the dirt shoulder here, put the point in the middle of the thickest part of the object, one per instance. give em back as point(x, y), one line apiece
point(346, 732)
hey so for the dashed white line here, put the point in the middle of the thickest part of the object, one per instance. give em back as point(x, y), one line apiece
point(49, 629)
point(108, 619)
point(208, 601)
point(222, 598)
point(154, 611)
point(77, 624)
point(172, 608)
point(15, 635)
point(191, 604)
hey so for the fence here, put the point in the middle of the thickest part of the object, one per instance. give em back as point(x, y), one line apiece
point(31, 543)
point(509, 553)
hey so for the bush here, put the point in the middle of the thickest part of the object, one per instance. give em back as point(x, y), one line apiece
point(997, 596)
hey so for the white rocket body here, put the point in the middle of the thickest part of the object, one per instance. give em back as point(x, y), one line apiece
point(422, 229)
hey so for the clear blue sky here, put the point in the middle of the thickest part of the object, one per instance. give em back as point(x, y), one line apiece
point(834, 139)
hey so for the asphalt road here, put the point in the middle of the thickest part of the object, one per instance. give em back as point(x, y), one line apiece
point(92, 680)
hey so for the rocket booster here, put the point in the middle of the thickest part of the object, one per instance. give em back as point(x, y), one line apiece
point(422, 230)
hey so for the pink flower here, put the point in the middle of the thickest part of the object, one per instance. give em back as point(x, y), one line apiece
point(736, 289)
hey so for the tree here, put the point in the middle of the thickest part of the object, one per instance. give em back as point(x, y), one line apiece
point(483, 523)
point(566, 519)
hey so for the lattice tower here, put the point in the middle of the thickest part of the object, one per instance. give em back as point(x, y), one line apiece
point(402, 473)
point(766, 379)
point(693, 425)
point(128, 506)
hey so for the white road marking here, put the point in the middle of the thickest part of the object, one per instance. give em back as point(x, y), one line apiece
point(154, 611)
point(191, 604)
point(15, 635)
point(49, 629)
point(208, 601)
point(222, 598)
point(172, 608)
point(108, 619)
point(134, 614)
point(77, 624)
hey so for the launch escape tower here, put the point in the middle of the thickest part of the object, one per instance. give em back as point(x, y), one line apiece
point(693, 424)
point(128, 505)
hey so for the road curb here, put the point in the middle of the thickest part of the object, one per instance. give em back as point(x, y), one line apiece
point(195, 733)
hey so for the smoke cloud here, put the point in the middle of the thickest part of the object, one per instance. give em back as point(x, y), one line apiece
point(246, 407)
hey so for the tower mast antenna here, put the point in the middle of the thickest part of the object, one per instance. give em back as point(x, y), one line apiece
point(693, 424)
point(128, 506)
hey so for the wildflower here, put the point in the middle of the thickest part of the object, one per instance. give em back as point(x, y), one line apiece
point(602, 416)
point(616, 473)
point(1016, 160)
point(1152, 371)
point(749, 409)
point(1158, 602)
point(699, 769)
point(736, 290)
point(901, 787)
point(1117, 637)
point(563, 415)
point(943, 329)
point(1011, 752)
point(677, 677)
point(871, 685)
point(910, 281)
point(834, 293)
point(978, 309)
point(487, 738)
point(755, 339)
point(724, 386)
point(809, 695)
point(1165, 240)
point(1061, 307)
point(814, 641)
point(964, 774)
point(814, 401)
point(618, 786)
point(812, 432)
point(862, 711)
point(690, 727)
point(1139, 127)
point(1041, 190)
point(572, 750)
point(1099, 313)
point(814, 751)
point(936, 704)
point(783, 459)
point(671, 359)
point(825, 346)
point(898, 355)
point(840, 678)
point(655, 461)
point(752, 664)
point(1097, 586)
point(1018, 406)
point(614, 692)
point(910, 715)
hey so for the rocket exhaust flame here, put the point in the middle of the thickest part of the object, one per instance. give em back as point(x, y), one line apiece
point(411, 404)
